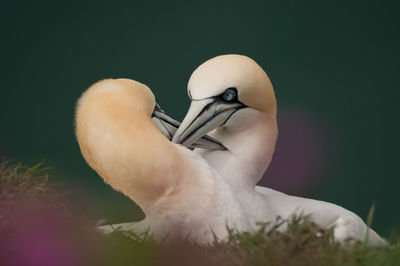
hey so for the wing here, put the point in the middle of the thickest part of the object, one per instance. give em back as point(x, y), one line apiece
point(268, 191)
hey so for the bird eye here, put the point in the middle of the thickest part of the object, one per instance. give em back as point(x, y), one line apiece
point(230, 94)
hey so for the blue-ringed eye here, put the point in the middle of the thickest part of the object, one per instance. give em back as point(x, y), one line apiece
point(230, 94)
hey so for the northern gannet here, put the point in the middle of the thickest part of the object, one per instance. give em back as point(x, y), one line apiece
point(234, 102)
point(124, 137)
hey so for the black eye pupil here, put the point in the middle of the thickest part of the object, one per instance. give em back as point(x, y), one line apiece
point(229, 94)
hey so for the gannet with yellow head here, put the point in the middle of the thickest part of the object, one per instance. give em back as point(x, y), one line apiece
point(124, 137)
point(233, 100)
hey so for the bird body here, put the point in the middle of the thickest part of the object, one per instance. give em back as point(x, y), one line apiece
point(196, 194)
point(237, 86)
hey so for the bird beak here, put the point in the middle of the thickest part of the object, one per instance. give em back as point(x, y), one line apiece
point(204, 116)
point(168, 126)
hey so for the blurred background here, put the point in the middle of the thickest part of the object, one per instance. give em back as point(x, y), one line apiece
point(334, 66)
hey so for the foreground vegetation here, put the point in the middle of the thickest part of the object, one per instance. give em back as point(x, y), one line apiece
point(37, 227)
point(303, 244)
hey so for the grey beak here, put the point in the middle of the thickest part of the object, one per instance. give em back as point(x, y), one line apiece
point(204, 116)
point(168, 127)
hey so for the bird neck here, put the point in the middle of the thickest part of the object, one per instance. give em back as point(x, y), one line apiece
point(250, 139)
point(121, 143)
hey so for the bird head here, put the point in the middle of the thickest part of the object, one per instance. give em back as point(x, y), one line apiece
point(221, 90)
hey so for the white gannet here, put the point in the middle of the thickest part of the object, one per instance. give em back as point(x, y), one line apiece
point(233, 100)
point(124, 137)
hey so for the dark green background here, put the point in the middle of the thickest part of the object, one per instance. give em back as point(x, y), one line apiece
point(337, 60)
